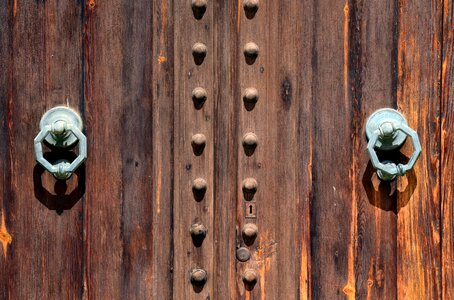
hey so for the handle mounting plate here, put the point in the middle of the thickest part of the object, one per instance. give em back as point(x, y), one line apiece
point(376, 120)
point(61, 113)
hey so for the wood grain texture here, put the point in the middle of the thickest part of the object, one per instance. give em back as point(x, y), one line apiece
point(418, 98)
point(327, 227)
point(192, 164)
point(372, 69)
point(130, 164)
point(447, 146)
point(226, 104)
point(41, 229)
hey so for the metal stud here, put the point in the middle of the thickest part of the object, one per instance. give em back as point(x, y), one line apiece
point(198, 143)
point(199, 96)
point(199, 277)
point(250, 98)
point(250, 231)
point(199, 52)
point(199, 188)
point(243, 254)
point(251, 51)
point(249, 188)
point(250, 142)
point(199, 8)
point(198, 233)
point(250, 8)
point(250, 277)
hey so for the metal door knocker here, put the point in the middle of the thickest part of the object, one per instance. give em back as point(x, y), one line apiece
point(387, 129)
point(61, 128)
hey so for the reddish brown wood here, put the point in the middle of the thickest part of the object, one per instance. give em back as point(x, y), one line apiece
point(41, 234)
point(447, 159)
point(191, 163)
point(418, 97)
point(327, 227)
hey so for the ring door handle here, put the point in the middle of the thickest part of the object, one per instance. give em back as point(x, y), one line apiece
point(61, 128)
point(387, 129)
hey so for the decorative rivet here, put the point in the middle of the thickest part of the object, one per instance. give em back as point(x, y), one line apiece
point(250, 142)
point(243, 254)
point(198, 277)
point(249, 188)
point(198, 143)
point(199, 51)
point(199, 188)
point(250, 231)
point(199, 96)
point(251, 51)
point(250, 8)
point(198, 233)
point(250, 98)
point(250, 277)
point(198, 8)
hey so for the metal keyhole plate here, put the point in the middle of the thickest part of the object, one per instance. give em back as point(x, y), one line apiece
point(61, 113)
point(377, 119)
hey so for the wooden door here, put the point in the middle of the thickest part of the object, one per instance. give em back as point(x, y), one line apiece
point(217, 114)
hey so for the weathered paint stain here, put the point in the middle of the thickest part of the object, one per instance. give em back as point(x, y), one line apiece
point(158, 190)
point(349, 288)
point(14, 8)
point(161, 58)
point(5, 237)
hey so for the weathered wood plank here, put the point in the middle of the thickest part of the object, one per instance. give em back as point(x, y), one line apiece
point(226, 104)
point(332, 246)
point(418, 98)
point(372, 69)
point(122, 217)
point(162, 85)
point(194, 159)
point(6, 88)
point(259, 164)
point(41, 228)
point(447, 146)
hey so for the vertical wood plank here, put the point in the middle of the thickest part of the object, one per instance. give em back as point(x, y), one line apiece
point(226, 105)
point(123, 221)
point(418, 238)
point(372, 68)
point(447, 146)
point(190, 164)
point(163, 150)
point(41, 226)
point(6, 80)
point(332, 246)
point(290, 101)
point(260, 119)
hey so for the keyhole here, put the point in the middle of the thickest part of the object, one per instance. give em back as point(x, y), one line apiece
point(250, 209)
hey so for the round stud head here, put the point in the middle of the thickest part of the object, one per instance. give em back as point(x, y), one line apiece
point(250, 231)
point(199, 4)
point(251, 49)
point(383, 120)
point(199, 184)
point(243, 254)
point(250, 140)
point(198, 231)
point(251, 95)
point(199, 96)
point(250, 276)
point(58, 118)
point(199, 139)
point(199, 51)
point(199, 277)
point(250, 8)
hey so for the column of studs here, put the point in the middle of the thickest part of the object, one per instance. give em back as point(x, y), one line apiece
point(249, 142)
point(198, 230)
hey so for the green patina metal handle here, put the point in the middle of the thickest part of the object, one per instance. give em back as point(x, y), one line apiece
point(61, 127)
point(387, 129)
